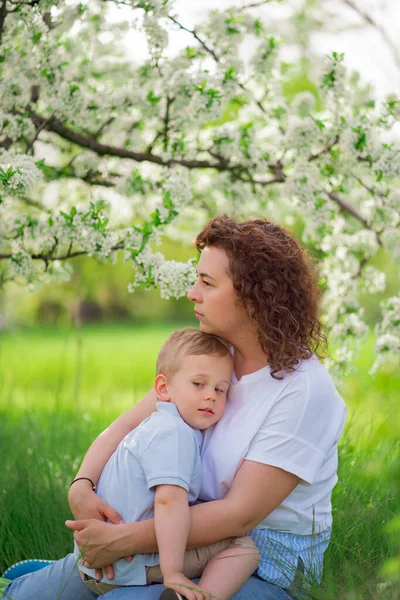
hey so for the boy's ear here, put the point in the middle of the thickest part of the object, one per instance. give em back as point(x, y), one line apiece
point(161, 388)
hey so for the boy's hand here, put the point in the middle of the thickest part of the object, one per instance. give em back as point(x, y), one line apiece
point(184, 586)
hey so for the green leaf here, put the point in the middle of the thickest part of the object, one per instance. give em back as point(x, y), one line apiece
point(229, 74)
point(327, 170)
point(152, 98)
point(36, 37)
point(362, 137)
point(319, 124)
point(191, 53)
point(338, 56)
point(200, 88)
point(279, 112)
point(258, 27)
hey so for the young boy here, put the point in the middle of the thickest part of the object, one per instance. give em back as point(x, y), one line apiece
point(156, 472)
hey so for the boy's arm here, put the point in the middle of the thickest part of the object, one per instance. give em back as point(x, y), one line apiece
point(83, 501)
point(171, 523)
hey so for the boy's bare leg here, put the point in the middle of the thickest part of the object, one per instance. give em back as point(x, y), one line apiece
point(228, 571)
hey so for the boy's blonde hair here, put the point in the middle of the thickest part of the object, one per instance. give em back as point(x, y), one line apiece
point(189, 341)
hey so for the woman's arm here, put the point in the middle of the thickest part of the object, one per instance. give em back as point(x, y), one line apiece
point(256, 491)
point(83, 501)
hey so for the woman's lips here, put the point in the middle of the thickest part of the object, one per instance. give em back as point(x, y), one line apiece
point(198, 315)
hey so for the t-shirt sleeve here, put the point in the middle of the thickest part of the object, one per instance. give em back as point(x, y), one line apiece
point(297, 433)
point(169, 458)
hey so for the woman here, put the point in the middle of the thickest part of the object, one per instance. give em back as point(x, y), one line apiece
point(270, 464)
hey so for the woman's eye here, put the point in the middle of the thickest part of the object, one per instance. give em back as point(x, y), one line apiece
point(207, 284)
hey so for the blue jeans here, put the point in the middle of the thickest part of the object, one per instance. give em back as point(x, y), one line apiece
point(61, 581)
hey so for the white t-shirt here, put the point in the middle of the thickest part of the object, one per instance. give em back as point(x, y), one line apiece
point(294, 424)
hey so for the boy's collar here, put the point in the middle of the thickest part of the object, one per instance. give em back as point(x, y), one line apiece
point(170, 409)
point(167, 407)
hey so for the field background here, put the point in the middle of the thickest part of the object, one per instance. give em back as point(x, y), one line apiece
point(60, 387)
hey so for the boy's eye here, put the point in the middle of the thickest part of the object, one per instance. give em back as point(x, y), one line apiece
point(197, 383)
point(219, 390)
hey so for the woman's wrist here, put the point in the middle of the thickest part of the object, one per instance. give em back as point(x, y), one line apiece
point(86, 479)
point(125, 540)
point(80, 488)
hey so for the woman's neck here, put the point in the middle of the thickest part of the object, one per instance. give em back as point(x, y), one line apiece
point(249, 356)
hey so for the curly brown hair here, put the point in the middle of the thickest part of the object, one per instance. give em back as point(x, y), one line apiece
point(274, 280)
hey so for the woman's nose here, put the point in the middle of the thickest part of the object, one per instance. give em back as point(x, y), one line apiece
point(193, 294)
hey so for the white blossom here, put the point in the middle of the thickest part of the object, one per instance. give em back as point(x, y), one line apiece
point(156, 34)
point(387, 346)
point(374, 280)
point(178, 184)
point(18, 173)
point(304, 103)
point(181, 137)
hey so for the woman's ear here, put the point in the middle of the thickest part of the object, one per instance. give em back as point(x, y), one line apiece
point(161, 387)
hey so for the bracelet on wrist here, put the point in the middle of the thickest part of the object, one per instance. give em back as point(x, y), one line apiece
point(94, 486)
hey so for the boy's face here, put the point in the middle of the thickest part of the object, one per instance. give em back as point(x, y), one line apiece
point(199, 388)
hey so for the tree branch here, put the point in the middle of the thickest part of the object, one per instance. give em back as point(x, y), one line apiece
point(221, 165)
point(37, 132)
point(50, 257)
point(33, 203)
point(6, 143)
point(376, 26)
point(3, 15)
point(197, 37)
point(353, 211)
point(104, 150)
point(371, 190)
point(216, 58)
point(103, 126)
point(324, 150)
point(163, 132)
point(91, 177)
point(254, 5)
point(166, 123)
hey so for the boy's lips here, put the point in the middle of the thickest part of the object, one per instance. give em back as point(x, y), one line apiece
point(206, 411)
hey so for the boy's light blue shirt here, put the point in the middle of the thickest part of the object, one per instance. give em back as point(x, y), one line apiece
point(161, 450)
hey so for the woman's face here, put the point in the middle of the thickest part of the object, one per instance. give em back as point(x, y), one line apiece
point(214, 297)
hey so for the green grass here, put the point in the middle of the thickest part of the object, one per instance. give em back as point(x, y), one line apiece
point(107, 368)
point(59, 389)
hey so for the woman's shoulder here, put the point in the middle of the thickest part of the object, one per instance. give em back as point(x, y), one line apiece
point(310, 371)
point(313, 381)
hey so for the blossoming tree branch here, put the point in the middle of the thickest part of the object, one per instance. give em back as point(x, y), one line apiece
point(100, 153)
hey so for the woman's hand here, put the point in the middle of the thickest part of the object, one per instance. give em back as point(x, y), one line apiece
point(186, 587)
point(97, 540)
point(85, 504)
